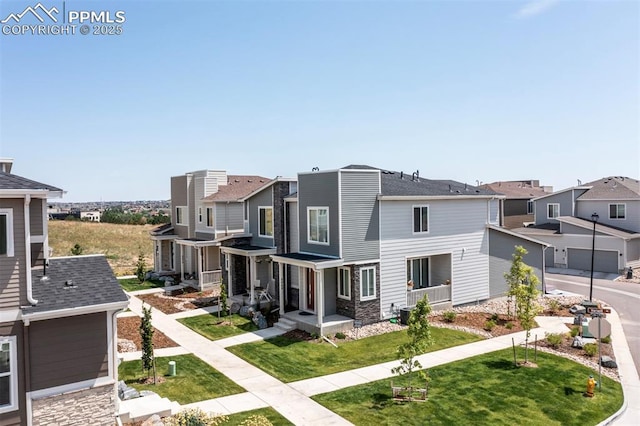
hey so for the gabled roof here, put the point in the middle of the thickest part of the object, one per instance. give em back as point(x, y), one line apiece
point(15, 182)
point(75, 283)
point(612, 188)
point(237, 187)
point(512, 189)
point(602, 228)
point(266, 185)
point(164, 229)
point(402, 184)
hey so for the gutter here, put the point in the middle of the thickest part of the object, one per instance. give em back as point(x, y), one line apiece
point(27, 243)
point(60, 313)
point(438, 197)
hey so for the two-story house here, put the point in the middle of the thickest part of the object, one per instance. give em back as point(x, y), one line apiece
point(366, 242)
point(517, 206)
point(565, 219)
point(58, 324)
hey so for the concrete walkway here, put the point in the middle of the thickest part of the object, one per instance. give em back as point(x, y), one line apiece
point(292, 399)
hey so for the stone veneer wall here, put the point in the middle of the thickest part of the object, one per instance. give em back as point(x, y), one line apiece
point(367, 311)
point(95, 407)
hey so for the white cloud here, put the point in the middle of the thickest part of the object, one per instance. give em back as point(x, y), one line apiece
point(535, 7)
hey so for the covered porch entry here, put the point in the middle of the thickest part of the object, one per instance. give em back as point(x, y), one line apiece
point(199, 263)
point(317, 292)
point(249, 269)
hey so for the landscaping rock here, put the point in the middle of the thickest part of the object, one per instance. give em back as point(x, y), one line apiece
point(235, 308)
point(607, 361)
point(246, 311)
point(578, 309)
point(260, 320)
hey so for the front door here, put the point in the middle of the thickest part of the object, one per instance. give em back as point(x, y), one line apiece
point(311, 289)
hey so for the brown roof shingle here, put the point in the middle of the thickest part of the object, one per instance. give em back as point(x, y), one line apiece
point(516, 188)
point(237, 187)
point(612, 188)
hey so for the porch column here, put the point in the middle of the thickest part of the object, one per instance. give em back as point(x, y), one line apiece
point(320, 298)
point(200, 269)
point(181, 262)
point(281, 287)
point(227, 266)
point(252, 275)
point(158, 260)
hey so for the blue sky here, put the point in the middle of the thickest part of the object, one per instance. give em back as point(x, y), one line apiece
point(463, 90)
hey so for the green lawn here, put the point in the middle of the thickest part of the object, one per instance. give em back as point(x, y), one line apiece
point(291, 360)
point(195, 380)
point(214, 328)
point(274, 417)
point(132, 284)
point(486, 390)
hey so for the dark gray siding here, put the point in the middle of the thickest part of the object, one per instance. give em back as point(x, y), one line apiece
point(501, 249)
point(68, 350)
point(18, 417)
point(565, 199)
point(360, 216)
point(603, 260)
point(330, 290)
point(12, 269)
point(514, 207)
point(263, 198)
point(319, 190)
point(178, 198)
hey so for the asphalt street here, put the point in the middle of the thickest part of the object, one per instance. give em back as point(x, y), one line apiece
point(623, 297)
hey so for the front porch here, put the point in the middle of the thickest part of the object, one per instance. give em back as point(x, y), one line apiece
point(331, 324)
point(203, 280)
point(437, 295)
point(199, 263)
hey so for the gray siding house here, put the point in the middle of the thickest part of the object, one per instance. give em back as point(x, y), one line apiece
point(564, 220)
point(517, 206)
point(57, 319)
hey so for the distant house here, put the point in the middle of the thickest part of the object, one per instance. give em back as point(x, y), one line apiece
point(564, 220)
point(517, 206)
point(57, 319)
point(93, 216)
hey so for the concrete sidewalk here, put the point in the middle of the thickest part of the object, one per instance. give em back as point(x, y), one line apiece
point(292, 399)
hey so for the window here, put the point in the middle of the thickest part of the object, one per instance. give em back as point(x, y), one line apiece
point(8, 374)
point(529, 207)
point(318, 225)
point(420, 219)
point(210, 217)
point(265, 226)
point(553, 210)
point(181, 216)
point(6, 232)
point(199, 214)
point(418, 272)
point(617, 211)
point(367, 283)
point(344, 283)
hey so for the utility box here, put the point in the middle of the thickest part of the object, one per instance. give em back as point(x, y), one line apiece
point(585, 329)
point(404, 315)
point(172, 368)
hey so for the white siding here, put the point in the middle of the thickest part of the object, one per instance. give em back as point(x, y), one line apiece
point(456, 227)
point(494, 212)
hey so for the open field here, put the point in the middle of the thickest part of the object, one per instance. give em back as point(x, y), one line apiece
point(120, 243)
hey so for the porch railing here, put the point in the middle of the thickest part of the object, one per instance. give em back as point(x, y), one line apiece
point(441, 293)
point(210, 277)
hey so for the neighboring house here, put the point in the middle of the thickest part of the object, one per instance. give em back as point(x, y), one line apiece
point(359, 235)
point(564, 220)
point(57, 319)
point(209, 211)
point(93, 216)
point(517, 206)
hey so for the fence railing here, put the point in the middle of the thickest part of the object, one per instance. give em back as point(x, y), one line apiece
point(210, 277)
point(437, 294)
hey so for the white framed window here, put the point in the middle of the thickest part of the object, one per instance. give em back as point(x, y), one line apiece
point(418, 272)
point(553, 210)
point(367, 283)
point(420, 219)
point(182, 218)
point(8, 374)
point(210, 222)
point(529, 207)
point(344, 283)
point(265, 221)
point(318, 225)
point(617, 211)
point(199, 214)
point(6, 232)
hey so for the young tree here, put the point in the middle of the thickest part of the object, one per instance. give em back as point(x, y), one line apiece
point(146, 334)
point(527, 306)
point(141, 267)
point(223, 307)
point(419, 334)
point(516, 275)
point(77, 250)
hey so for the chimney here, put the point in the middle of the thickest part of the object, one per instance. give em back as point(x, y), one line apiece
point(5, 164)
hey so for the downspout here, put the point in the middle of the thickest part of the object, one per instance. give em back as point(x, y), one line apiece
point(27, 371)
point(544, 266)
point(113, 355)
point(27, 243)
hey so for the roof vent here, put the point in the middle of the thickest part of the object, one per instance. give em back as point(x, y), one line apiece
point(69, 284)
point(401, 175)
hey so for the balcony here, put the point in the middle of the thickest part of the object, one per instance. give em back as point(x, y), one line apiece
point(437, 294)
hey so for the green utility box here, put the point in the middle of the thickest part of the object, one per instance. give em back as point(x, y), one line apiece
point(172, 368)
point(585, 329)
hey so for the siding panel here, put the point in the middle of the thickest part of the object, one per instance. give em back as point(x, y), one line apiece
point(13, 269)
point(319, 190)
point(228, 217)
point(360, 216)
point(262, 199)
point(631, 222)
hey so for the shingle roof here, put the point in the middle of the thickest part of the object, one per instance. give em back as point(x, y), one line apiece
point(91, 283)
point(237, 187)
point(612, 188)
point(515, 189)
point(11, 181)
point(600, 227)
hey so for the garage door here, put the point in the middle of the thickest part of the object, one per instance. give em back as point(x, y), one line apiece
point(604, 261)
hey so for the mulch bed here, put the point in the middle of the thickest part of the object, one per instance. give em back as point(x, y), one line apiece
point(180, 300)
point(478, 320)
point(129, 329)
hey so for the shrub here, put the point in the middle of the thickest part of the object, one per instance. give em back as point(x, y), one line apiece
point(554, 339)
point(554, 306)
point(449, 316)
point(77, 250)
point(141, 267)
point(509, 325)
point(340, 335)
point(195, 417)
point(489, 325)
point(606, 339)
point(590, 349)
point(256, 420)
point(575, 330)
point(495, 317)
